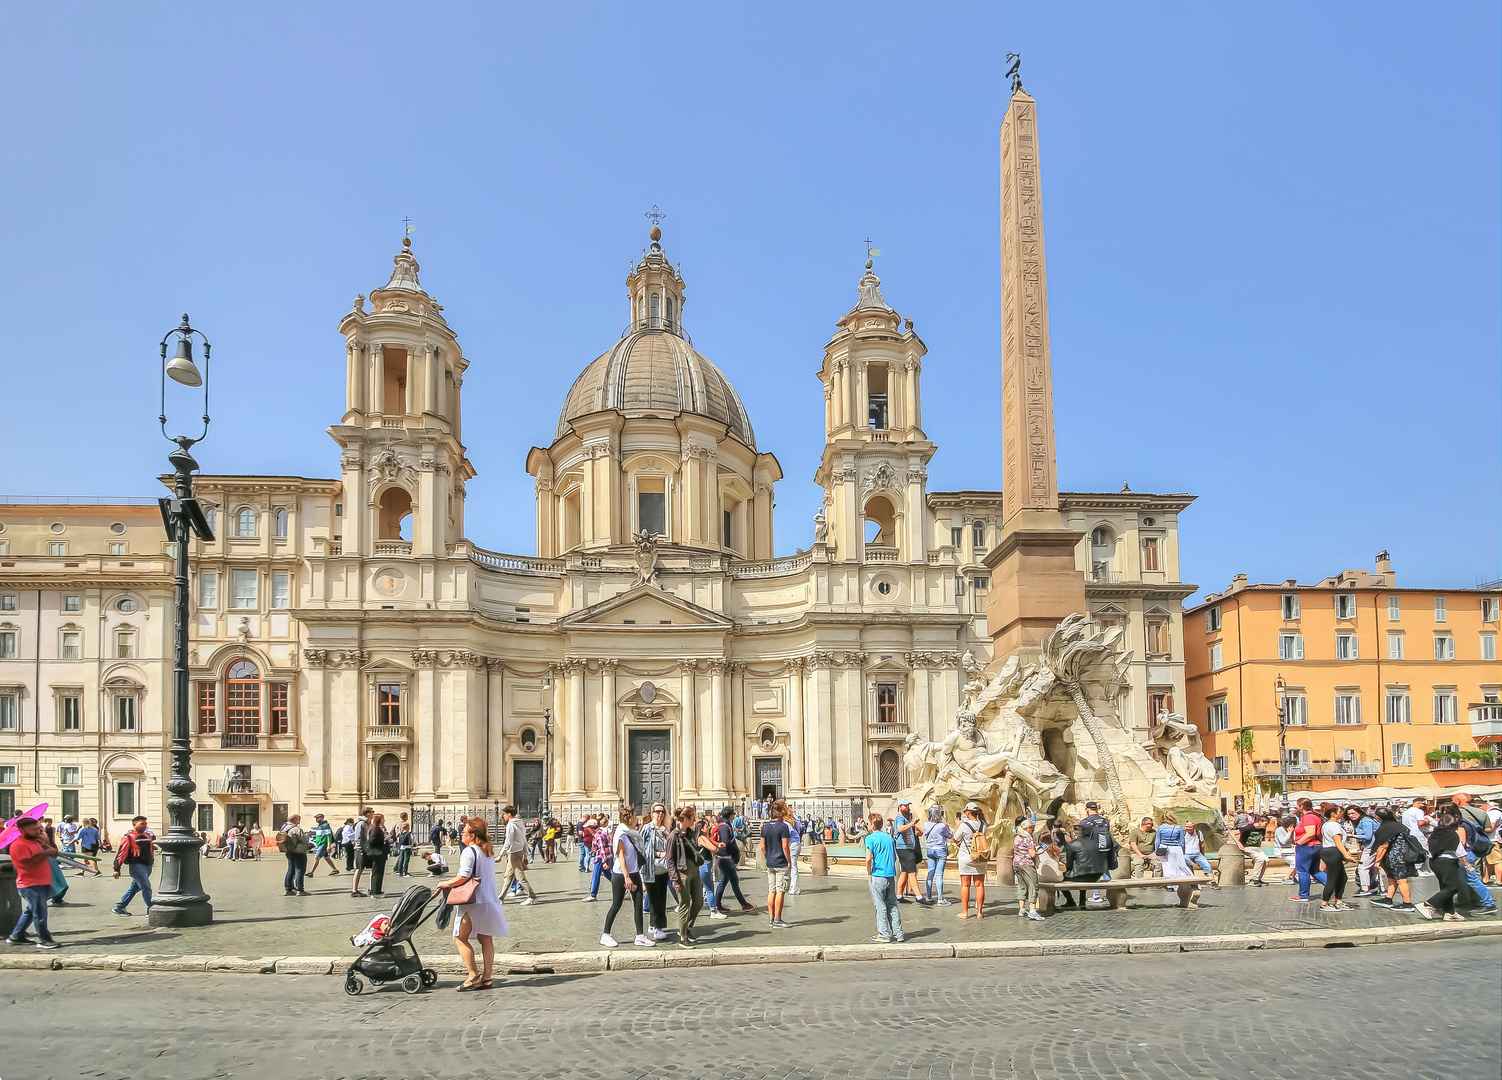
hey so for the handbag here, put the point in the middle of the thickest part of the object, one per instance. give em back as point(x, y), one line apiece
point(460, 895)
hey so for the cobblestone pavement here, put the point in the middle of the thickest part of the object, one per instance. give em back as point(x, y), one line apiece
point(254, 918)
point(1283, 1015)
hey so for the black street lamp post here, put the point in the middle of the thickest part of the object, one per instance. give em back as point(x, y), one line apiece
point(181, 900)
point(1281, 688)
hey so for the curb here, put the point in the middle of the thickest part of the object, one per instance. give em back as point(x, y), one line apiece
point(599, 961)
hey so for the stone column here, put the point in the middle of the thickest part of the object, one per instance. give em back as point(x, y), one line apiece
point(356, 378)
point(719, 728)
point(609, 765)
point(377, 366)
point(822, 766)
point(739, 782)
point(795, 668)
point(574, 723)
point(688, 735)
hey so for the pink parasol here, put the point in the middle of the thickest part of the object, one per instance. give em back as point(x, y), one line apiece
point(9, 832)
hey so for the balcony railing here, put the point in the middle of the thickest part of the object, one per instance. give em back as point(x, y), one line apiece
point(1486, 720)
point(240, 740)
point(390, 733)
point(496, 561)
point(392, 547)
point(792, 564)
point(1321, 768)
point(887, 731)
point(1451, 763)
point(239, 785)
point(1099, 575)
point(876, 554)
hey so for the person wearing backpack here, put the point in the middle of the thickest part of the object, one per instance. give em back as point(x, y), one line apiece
point(1392, 842)
point(293, 843)
point(727, 854)
point(1475, 823)
point(975, 859)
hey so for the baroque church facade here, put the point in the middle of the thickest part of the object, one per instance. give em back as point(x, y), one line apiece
point(352, 645)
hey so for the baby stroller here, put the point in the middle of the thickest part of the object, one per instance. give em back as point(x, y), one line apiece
point(394, 956)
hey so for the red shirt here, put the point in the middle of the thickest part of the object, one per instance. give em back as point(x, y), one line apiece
point(1311, 823)
point(33, 869)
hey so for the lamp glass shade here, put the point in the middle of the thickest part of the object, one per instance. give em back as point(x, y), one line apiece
point(181, 367)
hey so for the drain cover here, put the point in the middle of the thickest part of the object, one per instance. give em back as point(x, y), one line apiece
point(543, 945)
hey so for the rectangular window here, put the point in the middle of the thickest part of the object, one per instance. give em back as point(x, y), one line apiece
point(1488, 646)
point(1439, 609)
point(1290, 647)
point(1345, 605)
point(1444, 647)
point(1446, 707)
point(4, 547)
point(8, 601)
point(1347, 709)
point(1215, 657)
point(1212, 620)
point(651, 510)
point(7, 712)
point(1399, 707)
point(1218, 717)
point(7, 798)
point(281, 716)
point(208, 708)
point(125, 644)
point(1394, 609)
point(1346, 648)
point(208, 588)
point(245, 582)
point(1395, 646)
point(1298, 760)
point(117, 547)
point(72, 602)
point(1489, 611)
point(1159, 703)
point(68, 775)
point(1402, 754)
point(206, 817)
point(390, 704)
point(1157, 638)
point(70, 804)
point(1150, 553)
point(125, 714)
point(279, 524)
point(727, 531)
point(7, 774)
point(7, 644)
point(70, 645)
point(1222, 767)
point(281, 589)
point(886, 703)
point(1290, 606)
point(956, 538)
point(1296, 710)
point(57, 547)
point(125, 798)
point(71, 713)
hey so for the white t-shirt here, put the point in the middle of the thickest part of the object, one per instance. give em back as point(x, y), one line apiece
point(1331, 833)
point(1494, 815)
point(1411, 821)
point(626, 840)
point(1282, 838)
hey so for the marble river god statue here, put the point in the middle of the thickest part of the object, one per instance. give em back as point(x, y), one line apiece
point(1046, 736)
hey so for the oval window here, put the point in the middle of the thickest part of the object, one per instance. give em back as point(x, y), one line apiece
point(529, 739)
point(125, 604)
point(884, 587)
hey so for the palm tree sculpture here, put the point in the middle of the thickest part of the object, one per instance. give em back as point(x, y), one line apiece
point(1068, 652)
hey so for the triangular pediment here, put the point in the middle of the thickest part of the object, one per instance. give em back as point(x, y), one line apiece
point(645, 606)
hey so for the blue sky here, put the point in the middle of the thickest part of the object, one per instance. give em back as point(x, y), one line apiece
point(1273, 239)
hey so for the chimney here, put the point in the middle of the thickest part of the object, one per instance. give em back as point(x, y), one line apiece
point(1237, 583)
point(1384, 563)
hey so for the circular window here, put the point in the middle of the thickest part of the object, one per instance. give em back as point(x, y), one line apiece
point(529, 739)
point(884, 587)
point(2, 526)
point(57, 526)
point(125, 604)
point(117, 528)
point(1149, 522)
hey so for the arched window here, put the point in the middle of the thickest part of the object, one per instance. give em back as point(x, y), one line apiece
point(279, 519)
point(670, 312)
point(396, 511)
point(1102, 538)
point(881, 522)
point(242, 701)
point(388, 784)
point(1102, 553)
point(888, 771)
point(978, 537)
point(655, 320)
point(245, 522)
point(529, 740)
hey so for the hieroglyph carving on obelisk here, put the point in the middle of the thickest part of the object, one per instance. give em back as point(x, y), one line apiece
point(1029, 467)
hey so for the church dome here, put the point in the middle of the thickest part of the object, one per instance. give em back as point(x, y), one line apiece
point(655, 372)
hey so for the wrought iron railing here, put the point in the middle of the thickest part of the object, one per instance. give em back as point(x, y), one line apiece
point(240, 740)
point(239, 785)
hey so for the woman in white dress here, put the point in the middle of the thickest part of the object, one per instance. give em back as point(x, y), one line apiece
point(484, 918)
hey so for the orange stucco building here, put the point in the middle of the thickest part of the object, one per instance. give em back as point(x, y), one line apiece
point(1380, 686)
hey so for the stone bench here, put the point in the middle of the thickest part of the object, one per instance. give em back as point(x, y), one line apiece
point(1116, 891)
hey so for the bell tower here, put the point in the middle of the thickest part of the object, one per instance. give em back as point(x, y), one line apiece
point(403, 457)
point(874, 467)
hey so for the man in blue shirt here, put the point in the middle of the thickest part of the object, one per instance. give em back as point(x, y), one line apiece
point(881, 867)
point(905, 835)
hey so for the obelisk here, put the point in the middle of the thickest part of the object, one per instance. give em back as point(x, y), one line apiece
point(1035, 581)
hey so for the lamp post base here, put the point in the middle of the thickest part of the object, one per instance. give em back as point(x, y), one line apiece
point(181, 900)
point(171, 913)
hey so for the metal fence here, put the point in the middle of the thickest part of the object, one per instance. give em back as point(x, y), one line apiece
point(845, 810)
point(426, 815)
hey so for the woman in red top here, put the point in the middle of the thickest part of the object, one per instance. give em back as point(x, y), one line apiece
point(1306, 851)
point(31, 854)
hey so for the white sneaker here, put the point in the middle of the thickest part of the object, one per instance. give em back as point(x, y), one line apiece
point(718, 915)
point(608, 941)
point(528, 900)
point(659, 935)
point(646, 942)
point(589, 899)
